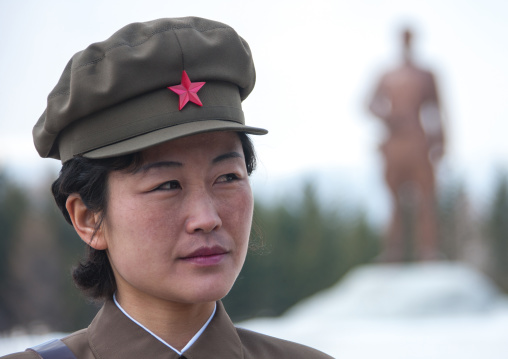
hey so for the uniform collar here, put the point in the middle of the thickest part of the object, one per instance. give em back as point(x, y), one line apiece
point(219, 340)
point(113, 334)
point(187, 346)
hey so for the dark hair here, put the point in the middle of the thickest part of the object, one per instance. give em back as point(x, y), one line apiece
point(89, 178)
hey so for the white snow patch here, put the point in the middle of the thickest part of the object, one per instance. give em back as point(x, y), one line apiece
point(428, 310)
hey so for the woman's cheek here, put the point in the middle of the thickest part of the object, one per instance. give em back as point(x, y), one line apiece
point(242, 214)
point(240, 205)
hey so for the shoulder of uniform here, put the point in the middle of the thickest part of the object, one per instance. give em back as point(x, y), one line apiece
point(257, 345)
point(75, 341)
point(21, 355)
point(78, 342)
point(76, 336)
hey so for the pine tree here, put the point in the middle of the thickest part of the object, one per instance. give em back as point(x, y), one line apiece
point(497, 228)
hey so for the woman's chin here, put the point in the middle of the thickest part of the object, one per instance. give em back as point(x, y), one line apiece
point(205, 295)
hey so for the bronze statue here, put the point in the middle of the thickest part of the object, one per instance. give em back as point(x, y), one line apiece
point(406, 101)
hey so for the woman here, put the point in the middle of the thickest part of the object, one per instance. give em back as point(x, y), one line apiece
point(149, 127)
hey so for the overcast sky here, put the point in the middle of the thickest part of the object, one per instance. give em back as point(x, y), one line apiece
point(317, 62)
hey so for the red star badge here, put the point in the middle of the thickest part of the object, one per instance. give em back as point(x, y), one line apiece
point(187, 91)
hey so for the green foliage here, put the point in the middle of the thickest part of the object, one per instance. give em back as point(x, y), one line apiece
point(13, 203)
point(497, 230)
point(452, 215)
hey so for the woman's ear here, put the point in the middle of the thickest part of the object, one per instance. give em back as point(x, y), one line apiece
point(85, 222)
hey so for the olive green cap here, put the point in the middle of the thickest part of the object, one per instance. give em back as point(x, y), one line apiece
point(113, 97)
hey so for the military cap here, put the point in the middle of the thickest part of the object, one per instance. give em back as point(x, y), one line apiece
point(148, 83)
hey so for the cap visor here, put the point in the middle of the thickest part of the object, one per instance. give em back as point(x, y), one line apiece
point(153, 138)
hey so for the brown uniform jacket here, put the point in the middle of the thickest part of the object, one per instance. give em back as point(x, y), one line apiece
point(112, 335)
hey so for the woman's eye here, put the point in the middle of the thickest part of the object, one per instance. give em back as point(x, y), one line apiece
point(228, 178)
point(169, 186)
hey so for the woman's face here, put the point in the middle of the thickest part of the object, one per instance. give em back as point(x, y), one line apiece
point(178, 228)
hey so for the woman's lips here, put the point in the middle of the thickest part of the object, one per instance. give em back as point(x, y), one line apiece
point(206, 256)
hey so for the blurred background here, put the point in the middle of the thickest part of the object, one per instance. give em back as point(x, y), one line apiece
point(315, 272)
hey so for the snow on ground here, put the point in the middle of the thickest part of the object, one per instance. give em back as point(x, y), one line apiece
point(431, 311)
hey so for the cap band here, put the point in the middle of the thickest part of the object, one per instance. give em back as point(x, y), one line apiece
point(148, 113)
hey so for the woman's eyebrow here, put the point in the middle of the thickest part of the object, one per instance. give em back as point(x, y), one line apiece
point(149, 166)
point(227, 156)
point(163, 164)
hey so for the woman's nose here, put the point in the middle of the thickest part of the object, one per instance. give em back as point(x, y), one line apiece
point(202, 214)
